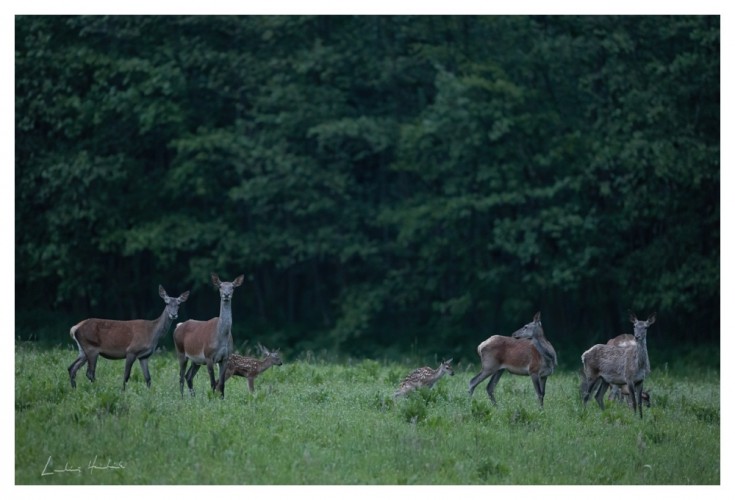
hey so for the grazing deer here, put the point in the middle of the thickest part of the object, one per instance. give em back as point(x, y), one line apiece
point(621, 392)
point(129, 340)
point(244, 366)
point(628, 365)
point(527, 352)
point(423, 377)
point(207, 342)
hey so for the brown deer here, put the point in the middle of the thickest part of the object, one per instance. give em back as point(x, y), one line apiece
point(129, 340)
point(245, 366)
point(526, 352)
point(207, 342)
point(423, 377)
point(628, 365)
point(621, 392)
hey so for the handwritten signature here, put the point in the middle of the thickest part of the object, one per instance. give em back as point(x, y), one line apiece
point(91, 466)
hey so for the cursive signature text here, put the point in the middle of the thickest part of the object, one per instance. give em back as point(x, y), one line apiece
point(93, 465)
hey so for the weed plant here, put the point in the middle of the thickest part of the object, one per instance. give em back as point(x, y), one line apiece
point(315, 422)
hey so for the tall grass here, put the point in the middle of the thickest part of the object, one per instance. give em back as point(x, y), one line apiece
point(317, 422)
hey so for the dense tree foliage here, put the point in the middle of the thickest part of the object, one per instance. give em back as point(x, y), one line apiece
point(383, 181)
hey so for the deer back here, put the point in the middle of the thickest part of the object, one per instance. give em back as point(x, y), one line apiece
point(518, 356)
point(109, 333)
point(615, 364)
point(622, 340)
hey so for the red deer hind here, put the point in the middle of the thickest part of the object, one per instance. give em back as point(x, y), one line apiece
point(604, 365)
point(129, 340)
point(621, 392)
point(207, 342)
point(527, 352)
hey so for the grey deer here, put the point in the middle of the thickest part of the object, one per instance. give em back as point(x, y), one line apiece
point(207, 342)
point(423, 377)
point(129, 340)
point(248, 367)
point(526, 352)
point(628, 365)
point(621, 392)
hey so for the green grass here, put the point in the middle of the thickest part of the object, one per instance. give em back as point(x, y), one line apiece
point(313, 422)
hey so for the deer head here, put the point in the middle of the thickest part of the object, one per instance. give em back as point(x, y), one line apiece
point(226, 288)
point(531, 329)
point(640, 327)
point(172, 303)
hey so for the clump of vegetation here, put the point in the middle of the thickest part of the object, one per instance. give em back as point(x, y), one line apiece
point(340, 432)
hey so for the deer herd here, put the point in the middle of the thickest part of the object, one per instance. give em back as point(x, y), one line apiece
point(622, 363)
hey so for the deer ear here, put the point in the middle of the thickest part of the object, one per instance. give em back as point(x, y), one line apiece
point(633, 319)
point(162, 292)
point(215, 280)
point(537, 316)
point(238, 281)
point(651, 319)
point(184, 296)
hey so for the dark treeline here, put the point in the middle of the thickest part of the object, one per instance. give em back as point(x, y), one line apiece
point(385, 183)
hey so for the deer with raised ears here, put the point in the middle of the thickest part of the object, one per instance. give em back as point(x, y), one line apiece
point(207, 342)
point(621, 392)
point(129, 340)
point(526, 352)
point(423, 377)
point(248, 367)
point(604, 365)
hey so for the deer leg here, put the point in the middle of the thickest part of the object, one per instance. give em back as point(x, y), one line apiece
point(645, 397)
point(129, 360)
point(210, 370)
point(615, 393)
point(631, 394)
point(193, 369)
point(635, 393)
point(601, 393)
point(588, 387)
point(251, 385)
point(146, 373)
point(229, 373)
point(478, 378)
point(221, 382)
point(491, 385)
point(182, 373)
point(539, 383)
point(76, 365)
point(91, 366)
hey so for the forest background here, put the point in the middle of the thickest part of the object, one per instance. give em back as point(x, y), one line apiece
point(387, 184)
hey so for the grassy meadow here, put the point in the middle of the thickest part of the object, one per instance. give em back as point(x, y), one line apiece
point(314, 421)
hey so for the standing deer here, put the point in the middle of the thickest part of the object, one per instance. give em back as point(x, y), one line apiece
point(423, 377)
point(129, 340)
point(207, 342)
point(621, 392)
point(244, 366)
point(527, 352)
point(628, 365)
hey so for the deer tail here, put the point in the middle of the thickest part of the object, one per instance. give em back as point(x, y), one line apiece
point(73, 331)
point(73, 335)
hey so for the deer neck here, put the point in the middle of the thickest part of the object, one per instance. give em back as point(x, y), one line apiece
point(437, 375)
point(160, 326)
point(224, 324)
point(263, 364)
point(545, 350)
point(643, 354)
